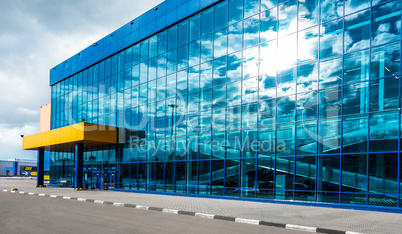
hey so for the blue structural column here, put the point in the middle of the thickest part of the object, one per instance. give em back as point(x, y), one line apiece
point(79, 166)
point(40, 167)
point(15, 165)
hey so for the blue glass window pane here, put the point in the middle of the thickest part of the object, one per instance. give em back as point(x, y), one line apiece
point(269, 59)
point(330, 73)
point(218, 123)
point(331, 9)
point(285, 141)
point(162, 42)
point(331, 39)
point(206, 75)
point(193, 106)
point(330, 102)
point(144, 50)
point(307, 77)
point(267, 111)
point(250, 62)
point(306, 106)
point(219, 73)
point(153, 65)
point(329, 135)
point(356, 67)
point(135, 74)
point(286, 82)
point(385, 60)
point(107, 69)
point(288, 18)
point(251, 7)
point(355, 131)
point(250, 90)
point(219, 97)
point(195, 27)
point(357, 31)
point(171, 61)
point(221, 15)
point(384, 131)
point(355, 98)
point(267, 87)
point(162, 65)
point(235, 10)
point(153, 46)
point(171, 85)
point(384, 94)
point(287, 52)
point(268, 4)
point(194, 79)
point(194, 53)
point(306, 133)
point(161, 86)
point(249, 144)
point(205, 117)
point(308, 13)
point(355, 5)
point(182, 57)
point(233, 144)
point(234, 68)
point(266, 138)
point(207, 48)
point(220, 43)
point(384, 23)
point(233, 93)
point(128, 57)
point(172, 37)
point(233, 117)
point(249, 115)
point(251, 31)
point(235, 37)
point(136, 54)
point(308, 45)
point(383, 177)
point(286, 109)
point(183, 32)
point(143, 72)
point(182, 82)
point(354, 175)
point(114, 65)
point(269, 24)
point(207, 21)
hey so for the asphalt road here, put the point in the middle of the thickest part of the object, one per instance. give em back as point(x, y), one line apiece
point(33, 214)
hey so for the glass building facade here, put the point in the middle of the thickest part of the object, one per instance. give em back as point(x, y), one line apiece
point(249, 99)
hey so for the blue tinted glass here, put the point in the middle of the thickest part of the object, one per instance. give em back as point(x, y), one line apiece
point(221, 15)
point(135, 74)
point(153, 46)
point(308, 13)
point(384, 94)
point(267, 112)
point(235, 37)
point(355, 130)
point(385, 60)
point(331, 9)
point(306, 133)
point(288, 17)
point(286, 109)
point(162, 42)
point(206, 75)
point(266, 138)
point(195, 27)
point(307, 77)
point(267, 87)
point(194, 53)
point(219, 76)
point(306, 106)
point(385, 21)
point(193, 79)
point(356, 67)
point(153, 65)
point(144, 72)
point(235, 10)
point(268, 4)
point(182, 82)
point(383, 167)
point(172, 37)
point(285, 143)
point(330, 73)
point(219, 97)
point(250, 62)
point(249, 115)
point(355, 98)
point(384, 131)
point(183, 32)
point(355, 5)
point(250, 90)
point(287, 52)
point(233, 93)
point(171, 61)
point(357, 31)
point(207, 48)
point(308, 45)
point(251, 7)
point(331, 39)
point(329, 135)
point(354, 175)
point(136, 54)
point(207, 21)
point(144, 50)
point(286, 82)
point(330, 102)
point(251, 31)
point(233, 117)
point(182, 57)
point(162, 65)
point(220, 43)
point(269, 25)
point(269, 59)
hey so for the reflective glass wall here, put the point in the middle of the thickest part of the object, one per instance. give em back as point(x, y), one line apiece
point(286, 100)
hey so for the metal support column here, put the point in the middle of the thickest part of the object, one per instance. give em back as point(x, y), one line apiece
point(40, 167)
point(79, 166)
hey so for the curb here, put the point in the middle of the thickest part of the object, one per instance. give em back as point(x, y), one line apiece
point(201, 215)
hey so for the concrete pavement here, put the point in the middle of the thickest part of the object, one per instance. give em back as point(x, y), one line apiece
point(316, 218)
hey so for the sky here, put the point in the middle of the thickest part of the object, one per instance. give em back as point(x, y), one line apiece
point(36, 35)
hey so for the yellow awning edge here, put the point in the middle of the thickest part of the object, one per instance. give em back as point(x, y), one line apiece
point(76, 133)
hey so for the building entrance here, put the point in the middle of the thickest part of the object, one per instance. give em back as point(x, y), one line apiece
point(103, 180)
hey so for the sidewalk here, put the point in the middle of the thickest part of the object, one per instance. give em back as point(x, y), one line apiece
point(342, 220)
